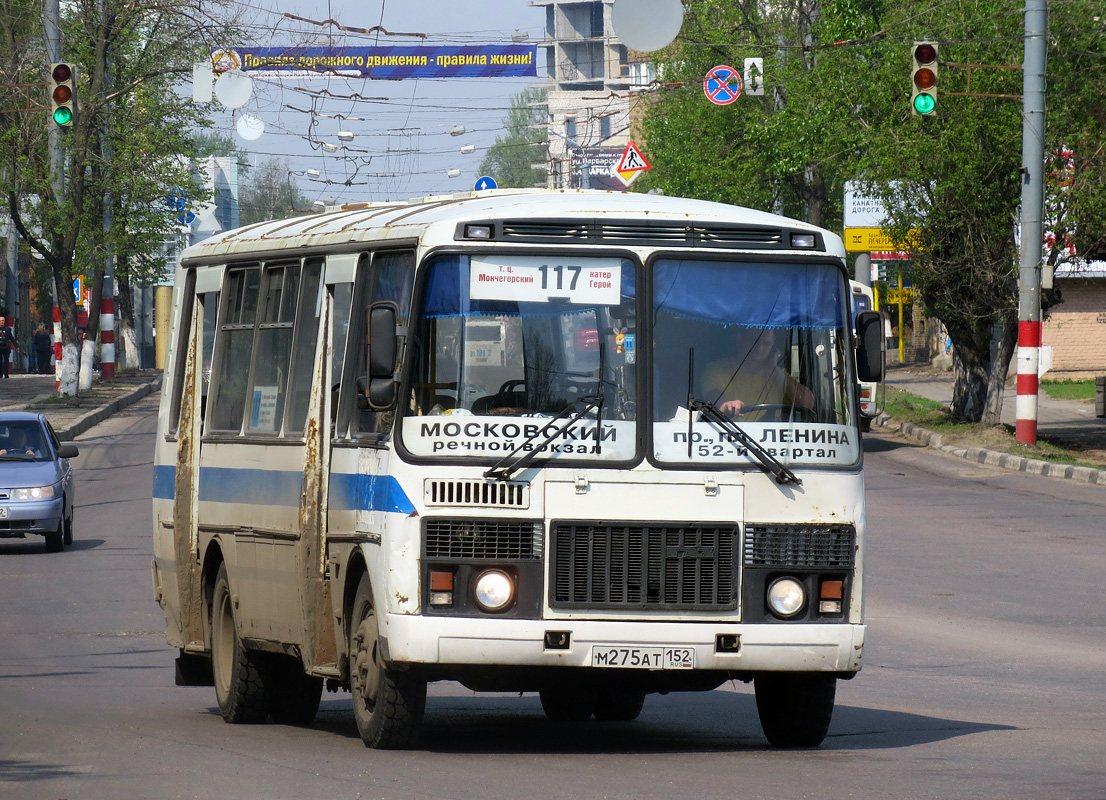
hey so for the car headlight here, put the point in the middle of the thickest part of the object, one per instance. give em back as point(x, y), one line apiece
point(494, 590)
point(33, 493)
point(786, 597)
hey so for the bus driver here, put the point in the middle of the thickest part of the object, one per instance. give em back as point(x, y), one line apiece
point(753, 376)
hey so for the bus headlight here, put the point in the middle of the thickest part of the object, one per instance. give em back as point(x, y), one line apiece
point(786, 597)
point(494, 590)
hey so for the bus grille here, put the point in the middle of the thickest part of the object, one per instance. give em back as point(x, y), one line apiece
point(643, 565)
point(487, 539)
point(490, 494)
point(800, 546)
point(599, 232)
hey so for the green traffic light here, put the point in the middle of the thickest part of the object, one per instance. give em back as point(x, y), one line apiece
point(924, 103)
point(63, 115)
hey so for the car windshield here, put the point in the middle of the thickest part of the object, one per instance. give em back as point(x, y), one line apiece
point(22, 440)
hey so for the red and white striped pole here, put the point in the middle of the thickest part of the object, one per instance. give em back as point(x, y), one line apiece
point(107, 333)
point(57, 350)
point(1032, 210)
point(1029, 350)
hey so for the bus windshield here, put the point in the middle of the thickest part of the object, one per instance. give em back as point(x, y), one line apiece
point(761, 344)
point(506, 343)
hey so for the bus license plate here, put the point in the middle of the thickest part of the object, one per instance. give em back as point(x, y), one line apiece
point(643, 657)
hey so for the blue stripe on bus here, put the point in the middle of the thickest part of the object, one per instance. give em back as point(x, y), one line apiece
point(368, 493)
point(285, 488)
point(165, 478)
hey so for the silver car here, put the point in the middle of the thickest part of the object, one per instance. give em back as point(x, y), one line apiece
point(36, 481)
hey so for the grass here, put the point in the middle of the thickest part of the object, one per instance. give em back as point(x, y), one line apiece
point(1069, 389)
point(934, 416)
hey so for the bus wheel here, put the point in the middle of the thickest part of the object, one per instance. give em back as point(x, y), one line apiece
point(388, 705)
point(568, 703)
point(293, 694)
point(795, 707)
point(619, 705)
point(239, 679)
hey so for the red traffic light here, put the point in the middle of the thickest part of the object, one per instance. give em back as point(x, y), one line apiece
point(61, 73)
point(925, 54)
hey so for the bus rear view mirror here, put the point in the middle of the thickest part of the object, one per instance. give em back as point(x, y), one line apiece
point(381, 367)
point(869, 346)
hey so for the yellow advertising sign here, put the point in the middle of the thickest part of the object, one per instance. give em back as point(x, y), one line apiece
point(895, 293)
point(865, 240)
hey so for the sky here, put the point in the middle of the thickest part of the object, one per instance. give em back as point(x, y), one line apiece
point(402, 146)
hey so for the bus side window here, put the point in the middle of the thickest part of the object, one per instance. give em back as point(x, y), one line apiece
point(232, 349)
point(272, 352)
point(180, 360)
point(210, 302)
point(391, 277)
point(342, 298)
point(303, 348)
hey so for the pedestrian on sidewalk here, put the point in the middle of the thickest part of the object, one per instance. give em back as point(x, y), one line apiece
point(7, 344)
point(43, 343)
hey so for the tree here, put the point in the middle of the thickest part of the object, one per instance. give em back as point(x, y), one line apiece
point(837, 107)
point(128, 56)
point(510, 159)
point(270, 193)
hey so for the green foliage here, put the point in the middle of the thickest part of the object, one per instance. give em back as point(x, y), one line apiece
point(270, 193)
point(509, 160)
point(837, 108)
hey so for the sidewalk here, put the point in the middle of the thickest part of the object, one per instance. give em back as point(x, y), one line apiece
point(73, 416)
point(1068, 423)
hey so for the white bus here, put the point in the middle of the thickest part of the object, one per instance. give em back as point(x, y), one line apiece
point(345, 495)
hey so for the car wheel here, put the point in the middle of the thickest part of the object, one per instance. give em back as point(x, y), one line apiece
point(238, 673)
point(67, 536)
point(55, 542)
point(388, 704)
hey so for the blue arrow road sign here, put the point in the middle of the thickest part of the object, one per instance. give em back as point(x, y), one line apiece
point(486, 182)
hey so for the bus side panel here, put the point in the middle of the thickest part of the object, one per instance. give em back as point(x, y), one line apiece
point(176, 569)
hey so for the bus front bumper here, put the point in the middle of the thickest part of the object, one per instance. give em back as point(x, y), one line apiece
point(501, 642)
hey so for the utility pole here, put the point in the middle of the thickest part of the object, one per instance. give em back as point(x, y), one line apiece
point(1032, 203)
point(107, 294)
point(52, 22)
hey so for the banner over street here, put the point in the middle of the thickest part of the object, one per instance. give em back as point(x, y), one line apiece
point(384, 63)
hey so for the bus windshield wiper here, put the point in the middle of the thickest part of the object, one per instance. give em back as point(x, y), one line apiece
point(574, 411)
point(781, 473)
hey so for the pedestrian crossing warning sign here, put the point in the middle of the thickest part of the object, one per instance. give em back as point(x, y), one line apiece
point(633, 163)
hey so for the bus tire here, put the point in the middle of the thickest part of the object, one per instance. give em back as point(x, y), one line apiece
point(795, 707)
point(293, 694)
point(239, 676)
point(619, 705)
point(388, 705)
point(568, 703)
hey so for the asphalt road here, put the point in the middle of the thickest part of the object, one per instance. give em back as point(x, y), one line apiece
point(983, 673)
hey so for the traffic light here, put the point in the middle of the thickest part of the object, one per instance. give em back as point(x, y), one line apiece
point(63, 95)
point(923, 85)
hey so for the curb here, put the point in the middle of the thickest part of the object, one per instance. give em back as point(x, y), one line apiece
point(1033, 466)
point(83, 423)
